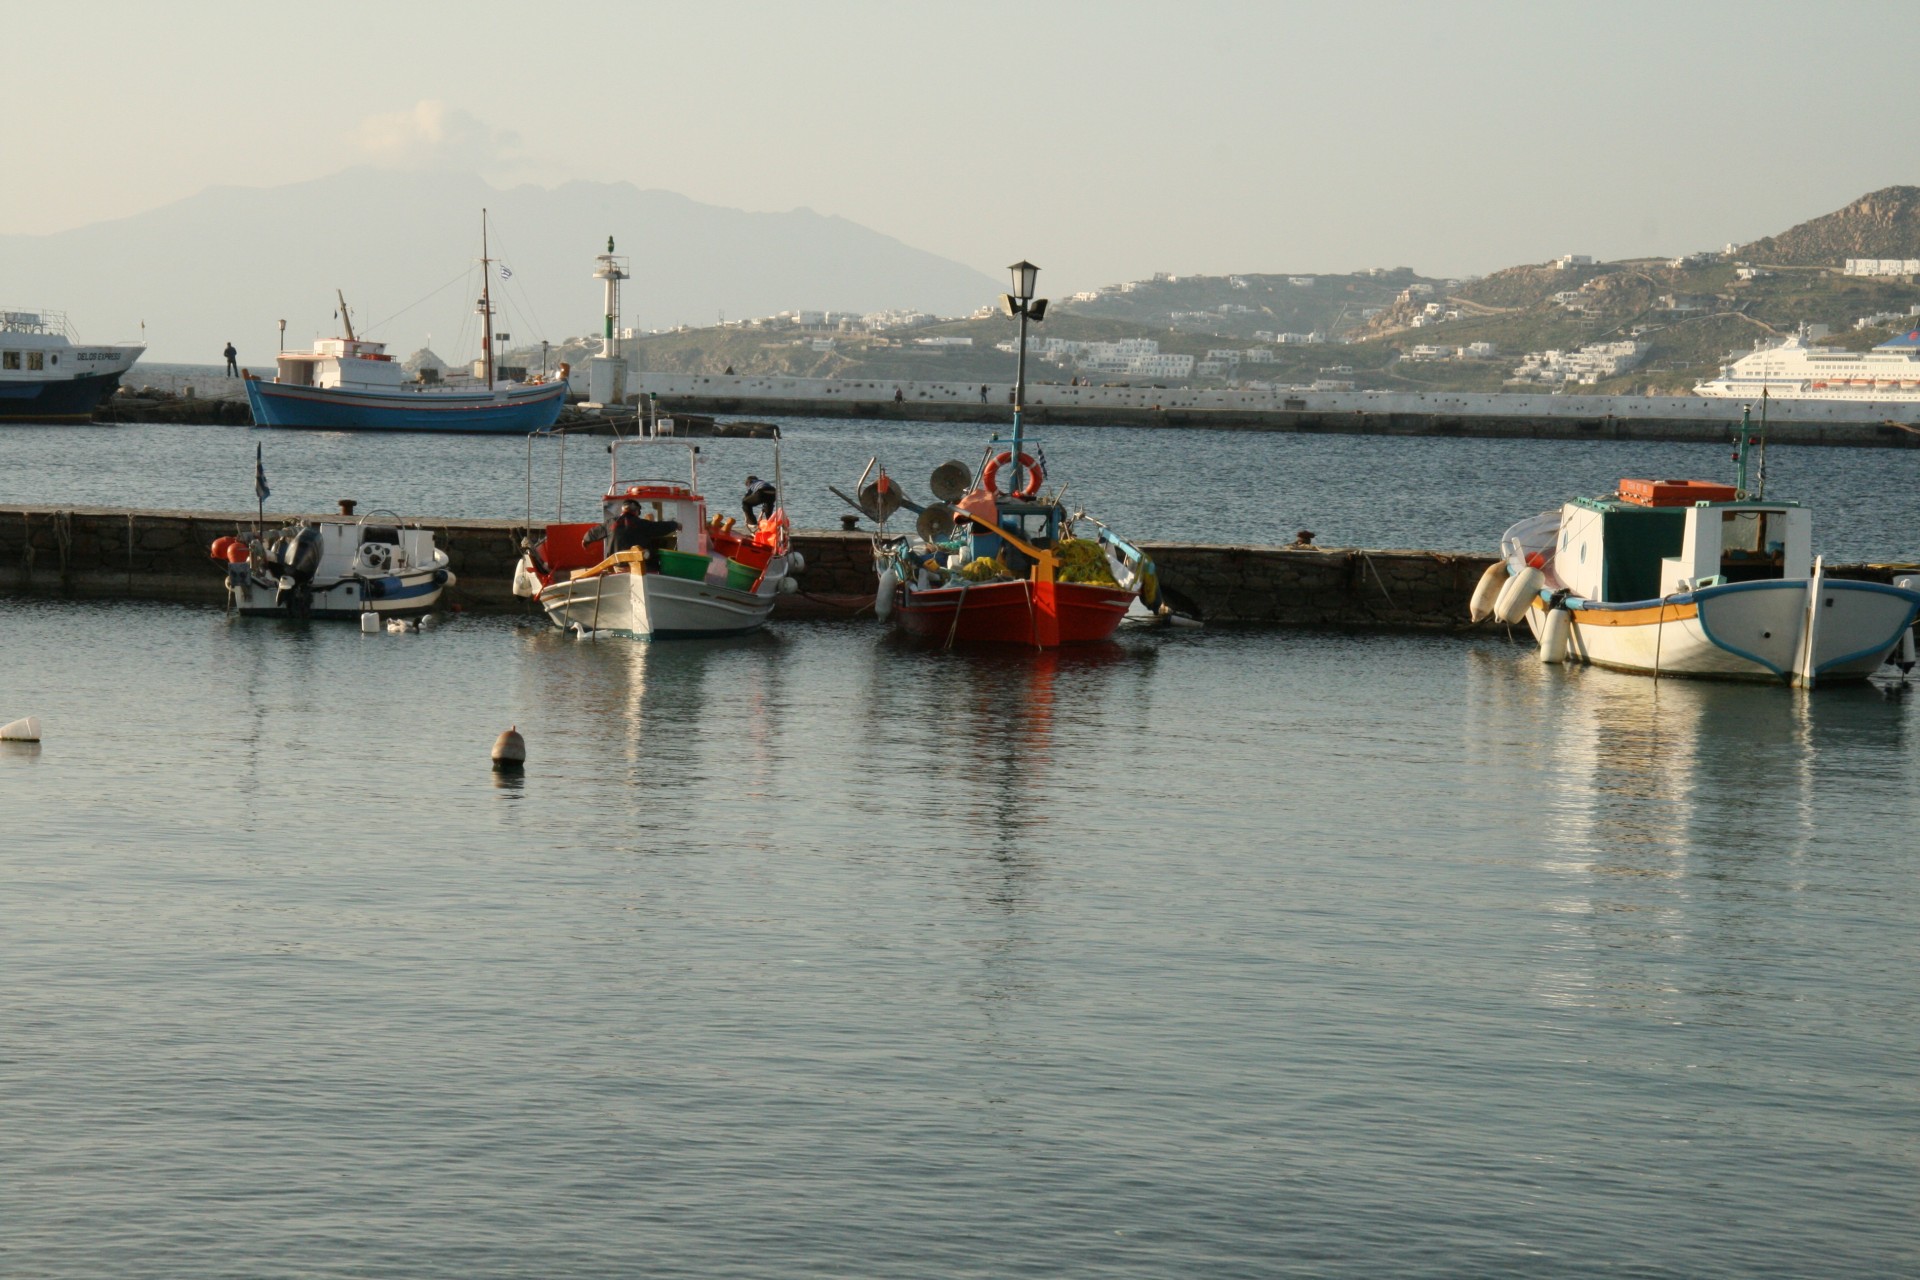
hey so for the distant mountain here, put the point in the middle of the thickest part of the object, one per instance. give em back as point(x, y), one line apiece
point(1884, 224)
point(226, 264)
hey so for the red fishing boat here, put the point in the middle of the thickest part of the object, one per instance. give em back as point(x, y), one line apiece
point(993, 565)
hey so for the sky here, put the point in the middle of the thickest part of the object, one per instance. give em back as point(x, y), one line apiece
point(1105, 141)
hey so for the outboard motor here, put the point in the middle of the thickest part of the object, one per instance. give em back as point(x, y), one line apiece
point(302, 554)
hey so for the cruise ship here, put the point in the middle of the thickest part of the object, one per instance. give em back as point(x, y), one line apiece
point(1796, 369)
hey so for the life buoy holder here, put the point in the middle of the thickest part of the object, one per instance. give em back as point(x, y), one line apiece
point(1035, 475)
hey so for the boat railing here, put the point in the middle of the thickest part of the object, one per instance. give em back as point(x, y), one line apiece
point(34, 320)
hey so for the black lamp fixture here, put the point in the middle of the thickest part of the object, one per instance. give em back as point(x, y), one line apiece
point(1021, 301)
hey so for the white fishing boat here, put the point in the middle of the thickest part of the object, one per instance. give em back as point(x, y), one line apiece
point(690, 573)
point(1691, 578)
point(342, 569)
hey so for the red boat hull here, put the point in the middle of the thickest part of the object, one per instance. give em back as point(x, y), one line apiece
point(1042, 615)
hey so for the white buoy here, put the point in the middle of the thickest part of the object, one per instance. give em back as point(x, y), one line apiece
point(883, 595)
point(509, 751)
point(1555, 635)
point(369, 623)
point(26, 729)
point(789, 586)
point(1481, 606)
point(1518, 595)
point(796, 563)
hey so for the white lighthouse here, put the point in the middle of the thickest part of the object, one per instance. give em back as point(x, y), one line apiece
point(607, 372)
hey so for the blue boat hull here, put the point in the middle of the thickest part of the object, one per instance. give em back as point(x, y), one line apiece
point(278, 405)
point(62, 400)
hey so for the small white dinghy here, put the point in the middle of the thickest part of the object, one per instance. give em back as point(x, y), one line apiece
point(336, 569)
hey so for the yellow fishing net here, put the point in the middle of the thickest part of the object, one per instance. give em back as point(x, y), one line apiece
point(1083, 560)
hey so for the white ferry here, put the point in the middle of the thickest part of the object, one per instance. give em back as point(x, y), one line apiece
point(1796, 369)
point(46, 377)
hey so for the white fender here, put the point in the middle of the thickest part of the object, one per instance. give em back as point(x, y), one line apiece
point(369, 623)
point(1481, 606)
point(796, 563)
point(883, 595)
point(1517, 596)
point(524, 583)
point(1555, 636)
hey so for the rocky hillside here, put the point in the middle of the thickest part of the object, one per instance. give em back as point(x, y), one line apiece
point(1885, 224)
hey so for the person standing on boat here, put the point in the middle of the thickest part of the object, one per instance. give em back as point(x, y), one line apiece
point(761, 497)
point(630, 530)
point(233, 361)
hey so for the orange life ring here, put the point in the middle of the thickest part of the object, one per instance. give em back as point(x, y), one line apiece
point(1035, 476)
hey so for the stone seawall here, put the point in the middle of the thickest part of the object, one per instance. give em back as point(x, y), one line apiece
point(94, 552)
point(1358, 422)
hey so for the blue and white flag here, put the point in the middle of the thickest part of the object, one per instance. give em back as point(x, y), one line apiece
point(506, 272)
point(260, 489)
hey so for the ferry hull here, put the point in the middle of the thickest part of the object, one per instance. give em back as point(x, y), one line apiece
point(56, 400)
point(517, 411)
point(1743, 631)
point(1039, 614)
point(659, 606)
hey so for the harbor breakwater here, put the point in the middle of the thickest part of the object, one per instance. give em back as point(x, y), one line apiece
point(1887, 424)
point(94, 552)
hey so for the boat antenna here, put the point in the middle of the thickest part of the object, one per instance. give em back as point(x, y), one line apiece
point(1763, 444)
point(1740, 452)
point(486, 302)
point(345, 317)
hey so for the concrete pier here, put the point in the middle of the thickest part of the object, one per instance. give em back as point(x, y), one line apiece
point(1501, 415)
point(96, 552)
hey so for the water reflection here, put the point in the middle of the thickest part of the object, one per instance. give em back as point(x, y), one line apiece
point(1677, 814)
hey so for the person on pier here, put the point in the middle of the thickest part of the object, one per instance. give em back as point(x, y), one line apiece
point(233, 361)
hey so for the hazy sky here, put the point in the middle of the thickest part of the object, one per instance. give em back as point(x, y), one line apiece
point(1105, 141)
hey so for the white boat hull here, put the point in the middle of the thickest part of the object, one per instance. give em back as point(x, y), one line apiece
point(659, 606)
point(1743, 631)
point(400, 595)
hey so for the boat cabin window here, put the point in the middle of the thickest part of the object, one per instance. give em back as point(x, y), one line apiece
point(379, 533)
point(36, 359)
point(1753, 545)
point(9, 360)
point(296, 373)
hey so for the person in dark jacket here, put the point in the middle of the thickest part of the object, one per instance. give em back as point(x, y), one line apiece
point(760, 496)
point(233, 363)
point(630, 530)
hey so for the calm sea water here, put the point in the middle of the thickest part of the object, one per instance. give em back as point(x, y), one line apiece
point(1209, 954)
point(1184, 485)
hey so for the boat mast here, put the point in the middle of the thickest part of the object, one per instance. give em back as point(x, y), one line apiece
point(486, 302)
point(346, 317)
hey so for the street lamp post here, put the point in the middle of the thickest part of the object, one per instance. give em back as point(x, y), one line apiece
point(1023, 304)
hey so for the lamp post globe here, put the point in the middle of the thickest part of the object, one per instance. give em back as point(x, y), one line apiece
point(1024, 273)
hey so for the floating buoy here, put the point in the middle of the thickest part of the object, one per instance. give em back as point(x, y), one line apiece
point(26, 729)
point(1554, 636)
point(509, 751)
point(1518, 595)
point(370, 623)
point(1480, 607)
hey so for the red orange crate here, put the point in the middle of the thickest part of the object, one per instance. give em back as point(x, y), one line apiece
point(1673, 493)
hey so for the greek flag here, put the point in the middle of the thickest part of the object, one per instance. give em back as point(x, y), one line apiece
point(260, 489)
point(506, 272)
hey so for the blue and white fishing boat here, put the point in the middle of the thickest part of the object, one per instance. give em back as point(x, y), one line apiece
point(351, 384)
point(47, 377)
point(1692, 578)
